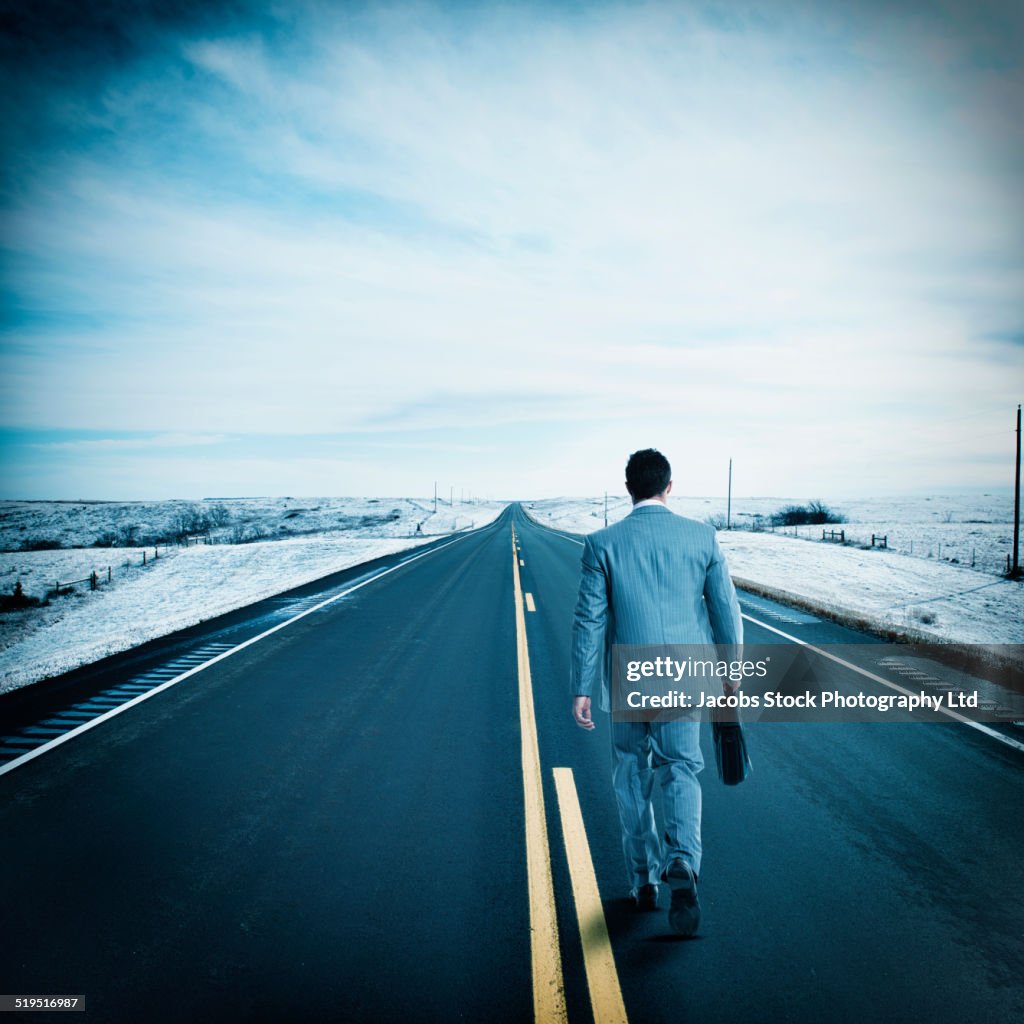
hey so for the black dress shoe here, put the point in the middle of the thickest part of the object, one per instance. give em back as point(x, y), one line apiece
point(647, 897)
point(684, 913)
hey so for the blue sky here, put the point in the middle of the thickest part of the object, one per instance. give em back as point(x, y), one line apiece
point(319, 248)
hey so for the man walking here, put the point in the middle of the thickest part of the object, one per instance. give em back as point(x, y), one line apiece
point(653, 578)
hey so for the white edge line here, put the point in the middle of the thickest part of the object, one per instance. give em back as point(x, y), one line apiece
point(1008, 740)
point(571, 540)
point(981, 727)
point(92, 723)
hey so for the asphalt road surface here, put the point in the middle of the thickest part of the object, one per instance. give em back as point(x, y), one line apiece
point(339, 821)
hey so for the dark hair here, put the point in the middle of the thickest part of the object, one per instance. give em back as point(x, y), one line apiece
point(647, 474)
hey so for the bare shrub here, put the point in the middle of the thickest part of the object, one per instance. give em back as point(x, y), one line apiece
point(813, 513)
point(246, 534)
point(18, 600)
point(41, 544)
point(190, 522)
point(219, 515)
point(128, 535)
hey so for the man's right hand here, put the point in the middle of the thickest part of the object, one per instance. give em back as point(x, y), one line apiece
point(581, 712)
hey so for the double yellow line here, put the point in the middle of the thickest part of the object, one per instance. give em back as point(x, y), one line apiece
point(545, 952)
point(545, 955)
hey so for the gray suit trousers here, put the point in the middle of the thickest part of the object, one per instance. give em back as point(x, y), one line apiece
point(671, 751)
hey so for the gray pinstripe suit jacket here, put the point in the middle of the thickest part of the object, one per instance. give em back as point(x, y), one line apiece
point(653, 578)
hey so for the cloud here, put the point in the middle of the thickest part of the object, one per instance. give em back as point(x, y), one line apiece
point(733, 223)
point(86, 446)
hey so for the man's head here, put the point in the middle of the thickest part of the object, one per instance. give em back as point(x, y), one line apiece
point(648, 475)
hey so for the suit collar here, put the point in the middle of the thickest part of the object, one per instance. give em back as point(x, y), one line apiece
point(656, 509)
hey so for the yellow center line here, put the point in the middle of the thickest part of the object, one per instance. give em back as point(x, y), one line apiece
point(530, 606)
point(598, 959)
point(545, 953)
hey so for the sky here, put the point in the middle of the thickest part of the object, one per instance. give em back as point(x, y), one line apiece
point(317, 248)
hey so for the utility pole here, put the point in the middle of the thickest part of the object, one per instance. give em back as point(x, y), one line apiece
point(451, 496)
point(435, 497)
point(728, 505)
point(605, 508)
point(1015, 572)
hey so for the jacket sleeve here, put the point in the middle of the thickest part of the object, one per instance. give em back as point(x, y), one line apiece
point(720, 597)
point(590, 622)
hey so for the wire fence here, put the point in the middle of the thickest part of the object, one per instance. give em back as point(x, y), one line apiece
point(98, 578)
point(985, 552)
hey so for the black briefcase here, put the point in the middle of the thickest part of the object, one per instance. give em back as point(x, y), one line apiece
point(731, 755)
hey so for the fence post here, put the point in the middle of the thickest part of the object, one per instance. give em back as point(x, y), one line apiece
point(842, 536)
point(143, 557)
point(108, 574)
point(92, 580)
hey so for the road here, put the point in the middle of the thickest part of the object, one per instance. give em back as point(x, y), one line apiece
point(337, 822)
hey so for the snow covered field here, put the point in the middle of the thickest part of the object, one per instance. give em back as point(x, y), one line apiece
point(186, 585)
point(75, 524)
point(302, 540)
point(921, 597)
point(956, 530)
